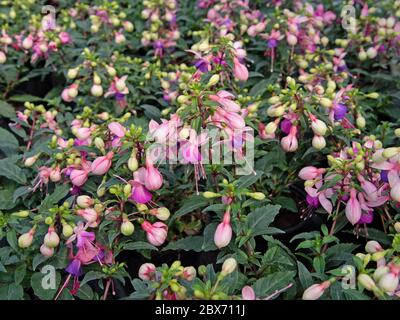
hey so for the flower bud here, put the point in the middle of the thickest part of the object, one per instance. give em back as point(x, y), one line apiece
point(228, 266)
point(366, 281)
point(397, 227)
point(372, 53)
point(189, 273)
point(373, 246)
point(325, 102)
point(213, 80)
point(51, 239)
point(72, 73)
point(389, 282)
point(162, 213)
point(390, 152)
point(46, 251)
point(67, 230)
point(26, 239)
point(256, 195)
point(380, 271)
point(21, 214)
point(96, 90)
point(271, 127)
point(127, 227)
point(146, 271)
point(319, 127)
point(133, 163)
point(318, 142)
point(315, 291)
point(360, 121)
point(29, 162)
point(3, 57)
point(84, 201)
point(274, 100)
point(210, 195)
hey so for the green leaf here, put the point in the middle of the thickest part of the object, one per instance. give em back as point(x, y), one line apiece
point(8, 142)
point(92, 275)
point(352, 294)
point(304, 275)
point(139, 245)
point(189, 206)
point(194, 243)
point(151, 112)
point(247, 181)
point(6, 199)
point(11, 291)
point(11, 171)
point(268, 285)
point(7, 110)
point(19, 273)
point(319, 264)
point(25, 97)
point(259, 219)
point(85, 292)
point(60, 192)
point(45, 285)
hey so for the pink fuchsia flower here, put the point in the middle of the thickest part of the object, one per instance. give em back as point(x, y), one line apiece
point(190, 148)
point(156, 233)
point(225, 100)
point(117, 129)
point(79, 177)
point(153, 178)
point(353, 208)
point(232, 119)
point(239, 70)
point(310, 173)
point(140, 194)
point(70, 93)
point(322, 196)
point(101, 165)
point(147, 271)
point(290, 142)
point(119, 90)
point(65, 37)
point(316, 291)
point(223, 233)
point(167, 131)
point(89, 214)
point(248, 293)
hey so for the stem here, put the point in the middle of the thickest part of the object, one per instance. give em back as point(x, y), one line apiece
point(277, 292)
point(107, 288)
point(63, 287)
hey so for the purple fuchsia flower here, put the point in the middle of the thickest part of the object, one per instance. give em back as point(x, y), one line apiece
point(119, 90)
point(286, 125)
point(140, 193)
point(339, 111)
point(312, 201)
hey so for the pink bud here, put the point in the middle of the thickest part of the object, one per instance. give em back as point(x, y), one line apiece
point(78, 177)
point(239, 70)
point(117, 129)
point(51, 239)
point(82, 133)
point(315, 291)
point(223, 233)
point(189, 273)
point(310, 173)
point(395, 192)
point(153, 178)
point(290, 143)
point(46, 251)
point(55, 175)
point(291, 39)
point(146, 271)
point(89, 214)
point(64, 37)
point(102, 164)
point(248, 293)
point(156, 232)
point(353, 208)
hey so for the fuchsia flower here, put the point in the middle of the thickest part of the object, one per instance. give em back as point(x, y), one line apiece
point(119, 90)
point(225, 100)
point(248, 293)
point(101, 165)
point(353, 208)
point(223, 233)
point(153, 179)
point(290, 142)
point(310, 173)
point(239, 70)
point(140, 194)
point(156, 233)
point(147, 271)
